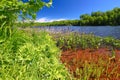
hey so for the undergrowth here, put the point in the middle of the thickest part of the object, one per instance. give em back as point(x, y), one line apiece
point(83, 41)
point(30, 56)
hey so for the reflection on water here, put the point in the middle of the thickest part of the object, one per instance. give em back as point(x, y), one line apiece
point(97, 30)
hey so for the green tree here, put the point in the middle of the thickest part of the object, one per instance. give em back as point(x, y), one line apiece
point(27, 55)
point(111, 17)
point(97, 13)
point(10, 10)
point(84, 16)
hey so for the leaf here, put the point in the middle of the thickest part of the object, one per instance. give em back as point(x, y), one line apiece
point(49, 3)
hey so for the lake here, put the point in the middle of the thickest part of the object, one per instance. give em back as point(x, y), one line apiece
point(102, 31)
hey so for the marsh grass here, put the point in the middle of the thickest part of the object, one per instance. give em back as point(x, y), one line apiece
point(30, 56)
point(103, 66)
point(84, 65)
point(84, 41)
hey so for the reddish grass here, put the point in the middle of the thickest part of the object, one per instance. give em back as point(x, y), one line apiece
point(101, 57)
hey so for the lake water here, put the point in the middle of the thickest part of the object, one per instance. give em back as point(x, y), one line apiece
point(96, 30)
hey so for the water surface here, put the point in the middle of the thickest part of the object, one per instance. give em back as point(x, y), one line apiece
point(96, 30)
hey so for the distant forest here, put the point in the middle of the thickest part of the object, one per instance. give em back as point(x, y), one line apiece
point(111, 18)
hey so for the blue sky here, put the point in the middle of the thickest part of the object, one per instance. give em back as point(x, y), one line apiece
point(72, 9)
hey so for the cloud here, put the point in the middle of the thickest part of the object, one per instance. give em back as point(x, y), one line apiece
point(44, 19)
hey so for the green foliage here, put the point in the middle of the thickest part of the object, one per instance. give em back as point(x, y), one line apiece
point(30, 56)
point(12, 9)
point(54, 23)
point(101, 18)
point(83, 41)
point(76, 41)
point(110, 41)
point(23, 55)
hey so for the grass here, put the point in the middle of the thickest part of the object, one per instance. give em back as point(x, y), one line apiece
point(104, 66)
point(30, 56)
point(83, 41)
point(87, 65)
point(34, 56)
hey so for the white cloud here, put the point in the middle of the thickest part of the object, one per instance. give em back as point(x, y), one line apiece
point(44, 19)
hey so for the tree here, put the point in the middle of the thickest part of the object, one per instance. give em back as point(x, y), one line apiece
point(96, 14)
point(10, 10)
point(84, 16)
point(111, 17)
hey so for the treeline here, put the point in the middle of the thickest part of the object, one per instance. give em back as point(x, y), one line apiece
point(54, 23)
point(60, 23)
point(111, 18)
point(99, 18)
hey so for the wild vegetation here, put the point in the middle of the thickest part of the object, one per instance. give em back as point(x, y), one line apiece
point(88, 64)
point(90, 57)
point(29, 55)
point(99, 18)
point(24, 55)
point(83, 41)
point(111, 18)
point(54, 23)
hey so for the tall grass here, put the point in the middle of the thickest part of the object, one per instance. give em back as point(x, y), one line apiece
point(83, 41)
point(104, 67)
point(30, 56)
